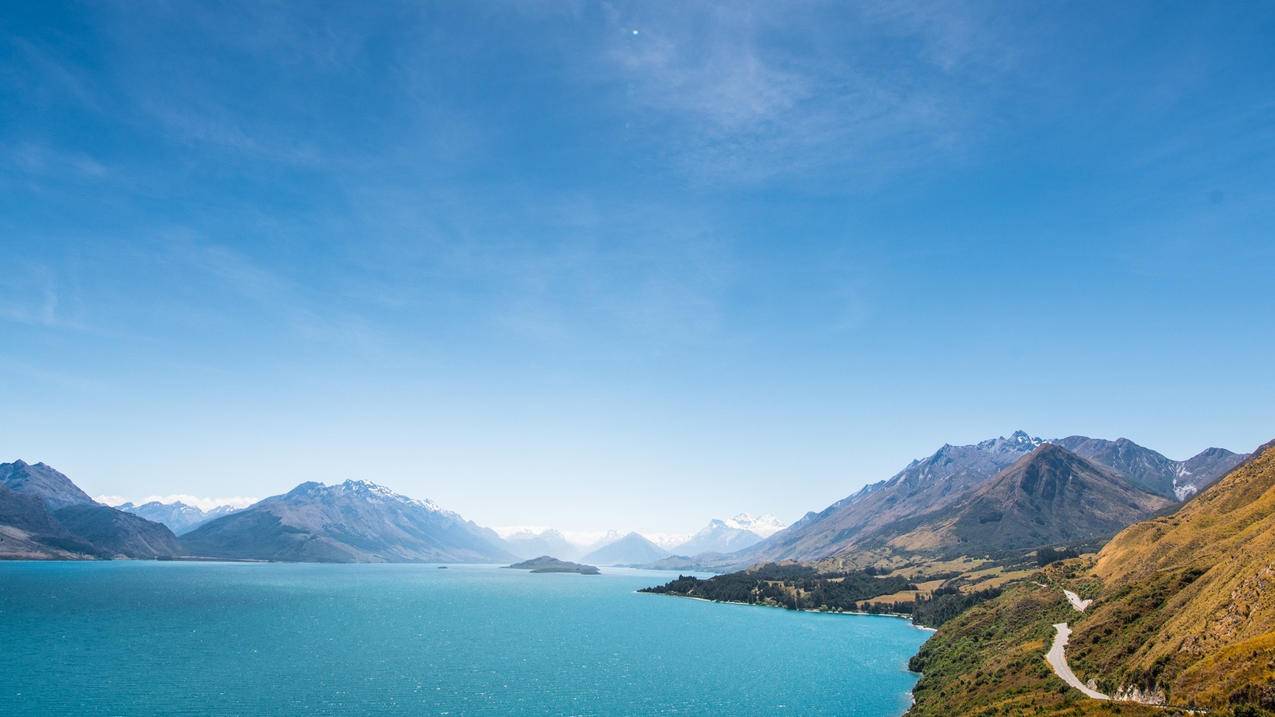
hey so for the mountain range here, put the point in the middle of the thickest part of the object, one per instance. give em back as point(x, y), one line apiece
point(999, 494)
point(720, 535)
point(528, 543)
point(934, 503)
point(178, 516)
point(354, 521)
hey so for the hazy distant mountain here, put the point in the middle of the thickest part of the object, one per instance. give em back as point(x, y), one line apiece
point(354, 521)
point(533, 543)
point(45, 515)
point(722, 536)
point(179, 517)
point(763, 525)
point(632, 549)
point(1152, 471)
point(43, 482)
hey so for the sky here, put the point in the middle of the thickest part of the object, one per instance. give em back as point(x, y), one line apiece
point(613, 265)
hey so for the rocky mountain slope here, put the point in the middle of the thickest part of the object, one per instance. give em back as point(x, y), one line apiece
point(44, 515)
point(354, 521)
point(54, 489)
point(1047, 497)
point(929, 487)
point(1151, 471)
point(117, 532)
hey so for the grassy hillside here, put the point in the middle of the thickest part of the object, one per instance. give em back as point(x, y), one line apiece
point(989, 660)
point(1184, 608)
point(1188, 604)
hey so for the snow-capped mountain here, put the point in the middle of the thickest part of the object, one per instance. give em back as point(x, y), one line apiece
point(178, 516)
point(763, 525)
point(729, 534)
point(354, 521)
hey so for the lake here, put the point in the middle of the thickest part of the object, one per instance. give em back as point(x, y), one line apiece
point(145, 638)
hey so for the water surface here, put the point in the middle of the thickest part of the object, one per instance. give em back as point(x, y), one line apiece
point(144, 638)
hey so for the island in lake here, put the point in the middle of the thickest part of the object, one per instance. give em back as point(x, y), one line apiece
point(547, 564)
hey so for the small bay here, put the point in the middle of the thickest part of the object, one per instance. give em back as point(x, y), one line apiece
point(142, 638)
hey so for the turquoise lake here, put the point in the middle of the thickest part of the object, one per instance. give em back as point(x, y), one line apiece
point(146, 638)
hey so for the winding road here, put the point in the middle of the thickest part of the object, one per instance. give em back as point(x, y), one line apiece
point(1057, 658)
point(1058, 661)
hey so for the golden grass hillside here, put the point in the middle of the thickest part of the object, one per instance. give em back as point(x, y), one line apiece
point(1187, 605)
point(1184, 611)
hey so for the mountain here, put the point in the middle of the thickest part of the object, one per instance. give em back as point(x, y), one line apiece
point(1151, 471)
point(29, 531)
point(763, 525)
point(1181, 612)
point(529, 543)
point(942, 481)
point(179, 517)
point(354, 521)
point(117, 532)
point(51, 487)
point(632, 549)
point(719, 536)
point(43, 514)
point(922, 487)
point(1201, 470)
point(1047, 497)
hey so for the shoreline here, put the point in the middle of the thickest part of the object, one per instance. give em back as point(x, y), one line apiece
point(896, 615)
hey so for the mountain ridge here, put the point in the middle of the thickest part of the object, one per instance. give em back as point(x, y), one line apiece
point(938, 482)
point(353, 521)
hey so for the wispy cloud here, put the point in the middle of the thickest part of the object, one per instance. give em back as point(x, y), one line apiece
point(747, 92)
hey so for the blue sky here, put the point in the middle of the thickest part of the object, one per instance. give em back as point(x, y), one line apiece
point(619, 265)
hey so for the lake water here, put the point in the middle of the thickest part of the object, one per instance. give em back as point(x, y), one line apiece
point(146, 638)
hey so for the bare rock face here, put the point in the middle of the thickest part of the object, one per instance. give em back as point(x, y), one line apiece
point(1133, 693)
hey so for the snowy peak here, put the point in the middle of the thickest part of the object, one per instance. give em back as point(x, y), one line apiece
point(178, 516)
point(1017, 442)
point(729, 535)
point(763, 525)
point(358, 489)
point(353, 521)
